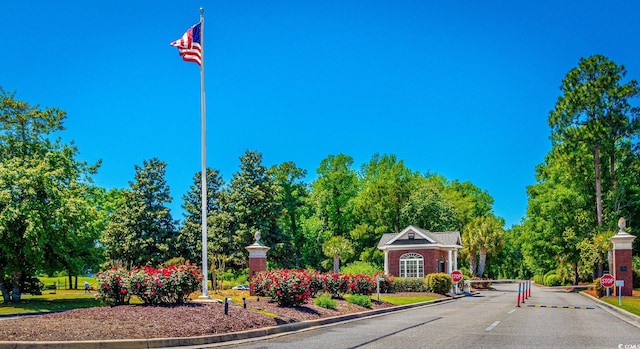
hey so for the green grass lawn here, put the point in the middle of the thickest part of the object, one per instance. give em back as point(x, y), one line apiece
point(629, 304)
point(402, 300)
point(50, 300)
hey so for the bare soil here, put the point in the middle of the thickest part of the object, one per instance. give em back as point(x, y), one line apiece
point(144, 322)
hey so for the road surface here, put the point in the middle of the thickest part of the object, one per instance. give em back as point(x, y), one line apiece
point(548, 319)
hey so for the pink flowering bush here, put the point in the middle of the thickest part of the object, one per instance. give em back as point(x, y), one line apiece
point(287, 287)
point(169, 285)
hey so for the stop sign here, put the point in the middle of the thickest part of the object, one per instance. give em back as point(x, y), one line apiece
point(456, 276)
point(607, 280)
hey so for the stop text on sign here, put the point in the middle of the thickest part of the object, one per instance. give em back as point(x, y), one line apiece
point(456, 276)
point(607, 280)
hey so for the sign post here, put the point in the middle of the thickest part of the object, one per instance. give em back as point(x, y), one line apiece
point(456, 276)
point(607, 281)
point(619, 285)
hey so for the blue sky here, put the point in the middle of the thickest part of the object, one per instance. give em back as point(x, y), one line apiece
point(458, 88)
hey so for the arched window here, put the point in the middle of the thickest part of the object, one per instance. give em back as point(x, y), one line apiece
point(411, 265)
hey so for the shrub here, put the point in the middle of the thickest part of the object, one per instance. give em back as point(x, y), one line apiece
point(361, 284)
point(336, 284)
point(552, 280)
point(287, 287)
point(361, 300)
point(113, 286)
point(326, 302)
point(409, 285)
point(438, 283)
point(387, 285)
point(169, 285)
point(359, 267)
point(538, 279)
point(317, 282)
point(601, 291)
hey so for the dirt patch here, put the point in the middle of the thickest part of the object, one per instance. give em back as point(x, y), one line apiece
point(143, 322)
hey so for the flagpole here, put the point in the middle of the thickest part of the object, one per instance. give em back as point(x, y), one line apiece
point(203, 184)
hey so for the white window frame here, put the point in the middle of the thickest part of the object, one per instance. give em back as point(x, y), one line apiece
point(411, 265)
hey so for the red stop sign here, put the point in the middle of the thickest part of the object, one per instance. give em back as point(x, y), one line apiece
point(607, 280)
point(456, 276)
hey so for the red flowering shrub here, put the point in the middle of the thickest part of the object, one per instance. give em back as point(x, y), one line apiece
point(387, 285)
point(287, 287)
point(317, 282)
point(170, 285)
point(113, 286)
point(336, 284)
point(361, 284)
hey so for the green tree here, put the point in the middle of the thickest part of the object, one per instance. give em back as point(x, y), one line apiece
point(595, 109)
point(47, 220)
point(428, 208)
point(141, 231)
point(484, 235)
point(249, 205)
point(188, 242)
point(292, 193)
point(338, 248)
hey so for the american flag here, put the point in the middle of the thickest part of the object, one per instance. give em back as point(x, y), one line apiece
point(189, 45)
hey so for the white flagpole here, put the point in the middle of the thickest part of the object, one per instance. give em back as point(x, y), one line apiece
point(205, 291)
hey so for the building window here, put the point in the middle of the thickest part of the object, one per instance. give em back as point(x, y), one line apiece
point(411, 265)
point(412, 236)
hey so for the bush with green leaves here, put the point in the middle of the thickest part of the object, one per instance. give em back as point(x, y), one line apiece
point(438, 283)
point(601, 291)
point(359, 267)
point(552, 280)
point(359, 299)
point(409, 285)
point(326, 302)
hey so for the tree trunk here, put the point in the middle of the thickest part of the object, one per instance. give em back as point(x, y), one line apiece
point(6, 295)
point(575, 273)
point(70, 281)
point(336, 264)
point(596, 167)
point(15, 284)
point(483, 259)
point(472, 263)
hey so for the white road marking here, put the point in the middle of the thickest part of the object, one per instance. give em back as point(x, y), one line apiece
point(492, 326)
point(512, 310)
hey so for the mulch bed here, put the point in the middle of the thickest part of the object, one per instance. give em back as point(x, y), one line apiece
point(144, 322)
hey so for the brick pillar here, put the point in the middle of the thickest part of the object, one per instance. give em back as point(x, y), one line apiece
point(257, 258)
point(622, 252)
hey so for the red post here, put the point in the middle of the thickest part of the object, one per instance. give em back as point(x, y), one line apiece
point(529, 288)
point(519, 286)
point(523, 291)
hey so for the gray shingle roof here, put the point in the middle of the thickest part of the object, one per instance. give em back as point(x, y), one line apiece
point(449, 238)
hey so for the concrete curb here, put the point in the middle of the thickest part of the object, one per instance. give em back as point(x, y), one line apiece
point(620, 313)
point(219, 338)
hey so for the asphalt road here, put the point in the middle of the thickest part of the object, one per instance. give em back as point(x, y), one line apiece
point(488, 320)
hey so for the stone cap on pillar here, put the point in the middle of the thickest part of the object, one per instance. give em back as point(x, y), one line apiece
point(622, 240)
point(257, 249)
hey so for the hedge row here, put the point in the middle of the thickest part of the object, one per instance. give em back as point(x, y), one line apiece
point(295, 287)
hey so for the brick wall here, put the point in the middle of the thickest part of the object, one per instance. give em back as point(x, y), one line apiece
point(622, 259)
point(431, 260)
